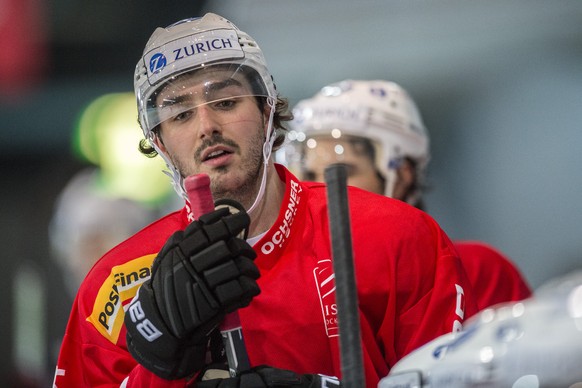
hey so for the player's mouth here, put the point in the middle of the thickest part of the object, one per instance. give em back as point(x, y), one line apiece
point(217, 156)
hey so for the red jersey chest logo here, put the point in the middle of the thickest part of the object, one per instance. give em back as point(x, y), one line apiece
point(325, 283)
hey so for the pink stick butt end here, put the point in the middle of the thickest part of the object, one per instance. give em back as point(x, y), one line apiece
point(199, 194)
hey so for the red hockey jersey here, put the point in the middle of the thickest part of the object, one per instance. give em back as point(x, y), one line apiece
point(411, 289)
point(493, 277)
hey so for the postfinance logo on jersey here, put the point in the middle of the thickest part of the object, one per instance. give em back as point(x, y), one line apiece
point(120, 286)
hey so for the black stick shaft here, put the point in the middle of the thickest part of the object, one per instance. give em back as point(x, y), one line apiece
point(345, 281)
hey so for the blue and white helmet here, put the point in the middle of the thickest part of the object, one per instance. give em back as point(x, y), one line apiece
point(197, 44)
point(529, 344)
point(381, 111)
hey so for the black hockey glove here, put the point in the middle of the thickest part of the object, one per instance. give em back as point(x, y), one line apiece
point(201, 274)
point(268, 377)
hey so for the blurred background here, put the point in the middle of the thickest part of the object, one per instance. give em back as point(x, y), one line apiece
point(499, 84)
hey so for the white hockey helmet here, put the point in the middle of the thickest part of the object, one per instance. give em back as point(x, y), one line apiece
point(381, 111)
point(197, 44)
point(88, 219)
point(533, 343)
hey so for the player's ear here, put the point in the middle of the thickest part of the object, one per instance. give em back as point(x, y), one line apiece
point(159, 142)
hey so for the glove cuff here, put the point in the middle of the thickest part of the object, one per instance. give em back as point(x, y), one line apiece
point(152, 345)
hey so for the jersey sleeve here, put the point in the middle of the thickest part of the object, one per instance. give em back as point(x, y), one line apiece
point(494, 277)
point(433, 293)
point(93, 351)
point(87, 359)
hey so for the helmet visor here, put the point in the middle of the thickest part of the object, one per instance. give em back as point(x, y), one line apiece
point(221, 85)
point(309, 157)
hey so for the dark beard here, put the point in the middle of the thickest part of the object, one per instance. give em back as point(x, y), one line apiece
point(246, 192)
point(246, 188)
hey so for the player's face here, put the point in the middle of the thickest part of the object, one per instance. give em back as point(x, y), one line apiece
point(327, 150)
point(212, 124)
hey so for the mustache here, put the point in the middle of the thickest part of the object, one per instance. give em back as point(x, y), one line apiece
point(214, 140)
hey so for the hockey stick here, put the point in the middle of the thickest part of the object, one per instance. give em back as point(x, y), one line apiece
point(345, 283)
point(201, 202)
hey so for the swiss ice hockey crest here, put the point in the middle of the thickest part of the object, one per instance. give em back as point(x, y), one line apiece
point(325, 282)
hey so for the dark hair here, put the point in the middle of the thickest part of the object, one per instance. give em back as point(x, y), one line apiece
point(417, 186)
point(363, 146)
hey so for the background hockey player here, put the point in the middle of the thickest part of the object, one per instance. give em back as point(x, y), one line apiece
point(376, 130)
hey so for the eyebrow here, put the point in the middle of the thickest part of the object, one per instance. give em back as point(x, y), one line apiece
point(210, 88)
point(166, 102)
point(222, 85)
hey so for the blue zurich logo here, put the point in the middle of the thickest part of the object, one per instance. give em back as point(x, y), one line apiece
point(157, 62)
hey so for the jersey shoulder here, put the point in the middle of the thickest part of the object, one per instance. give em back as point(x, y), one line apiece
point(115, 278)
point(146, 241)
point(481, 253)
point(374, 213)
point(138, 251)
point(360, 200)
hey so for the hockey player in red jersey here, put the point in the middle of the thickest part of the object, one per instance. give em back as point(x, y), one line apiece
point(147, 314)
point(376, 130)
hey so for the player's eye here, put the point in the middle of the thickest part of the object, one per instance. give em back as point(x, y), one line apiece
point(183, 116)
point(226, 104)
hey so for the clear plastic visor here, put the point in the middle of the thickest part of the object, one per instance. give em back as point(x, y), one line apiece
point(312, 153)
point(218, 84)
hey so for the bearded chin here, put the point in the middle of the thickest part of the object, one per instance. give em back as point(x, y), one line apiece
point(242, 189)
point(239, 182)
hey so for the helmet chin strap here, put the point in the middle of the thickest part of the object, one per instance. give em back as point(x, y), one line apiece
point(267, 149)
point(172, 172)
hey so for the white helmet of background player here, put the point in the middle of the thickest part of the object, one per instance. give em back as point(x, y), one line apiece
point(198, 44)
point(533, 343)
point(378, 110)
